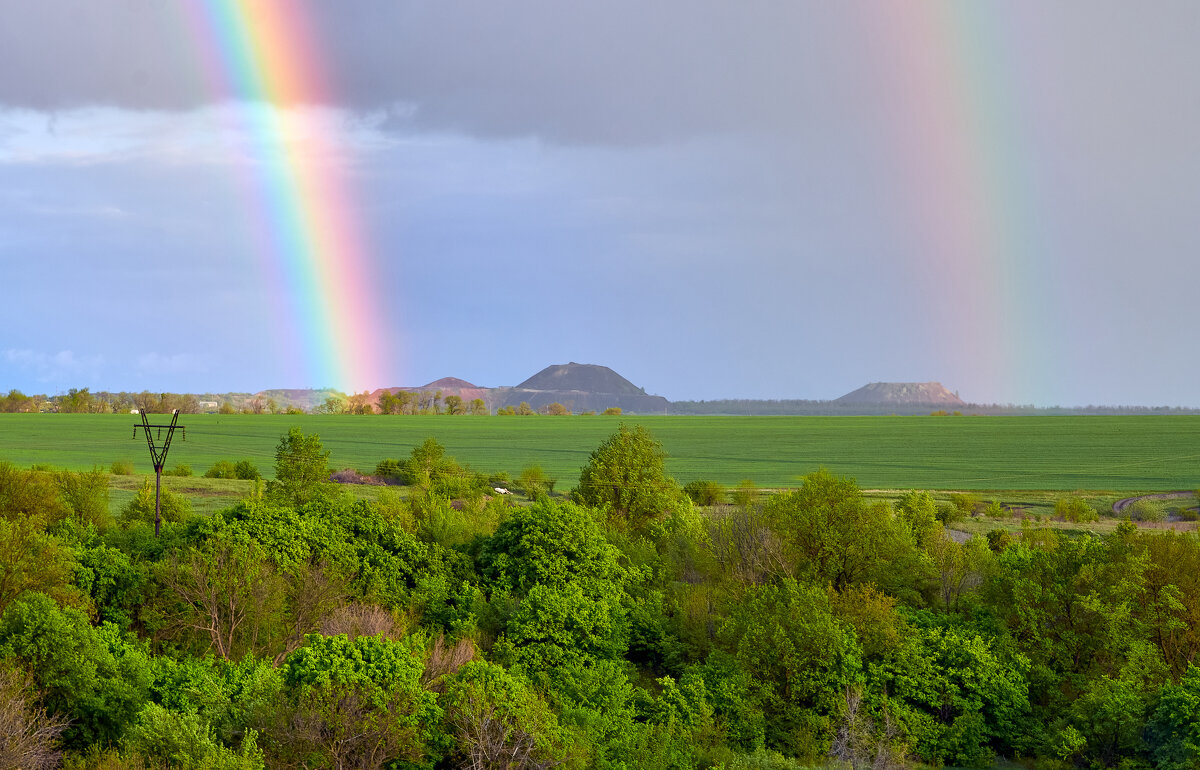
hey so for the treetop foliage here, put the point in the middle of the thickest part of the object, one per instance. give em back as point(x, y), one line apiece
point(620, 628)
point(626, 477)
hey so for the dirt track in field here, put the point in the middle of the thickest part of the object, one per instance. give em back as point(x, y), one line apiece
point(1121, 505)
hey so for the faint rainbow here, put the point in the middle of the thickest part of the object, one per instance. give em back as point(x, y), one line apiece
point(951, 79)
point(263, 55)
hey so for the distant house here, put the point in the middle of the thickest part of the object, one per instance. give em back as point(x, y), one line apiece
point(209, 406)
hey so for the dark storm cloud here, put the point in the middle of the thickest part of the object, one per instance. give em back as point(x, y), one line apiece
point(611, 72)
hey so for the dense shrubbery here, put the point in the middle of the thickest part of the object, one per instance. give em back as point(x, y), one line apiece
point(1076, 510)
point(703, 492)
point(242, 469)
point(450, 627)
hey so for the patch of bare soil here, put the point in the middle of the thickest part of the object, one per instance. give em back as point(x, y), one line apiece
point(351, 476)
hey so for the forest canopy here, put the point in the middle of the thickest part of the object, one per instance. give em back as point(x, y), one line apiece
point(620, 624)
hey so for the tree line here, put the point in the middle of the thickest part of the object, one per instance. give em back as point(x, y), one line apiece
point(626, 623)
point(401, 402)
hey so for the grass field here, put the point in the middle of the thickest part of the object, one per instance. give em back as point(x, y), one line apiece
point(1117, 454)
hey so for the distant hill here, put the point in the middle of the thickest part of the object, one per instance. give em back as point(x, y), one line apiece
point(902, 394)
point(449, 382)
point(588, 378)
point(582, 388)
point(579, 387)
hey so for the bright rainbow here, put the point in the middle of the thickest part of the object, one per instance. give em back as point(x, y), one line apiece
point(263, 55)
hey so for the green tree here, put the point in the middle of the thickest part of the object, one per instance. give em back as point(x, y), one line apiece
point(800, 660)
point(246, 470)
point(625, 476)
point(221, 469)
point(185, 740)
point(1173, 732)
point(959, 695)
point(834, 536)
point(16, 401)
point(1075, 509)
point(31, 560)
point(1146, 510)
point(77, 401)
point(175, 507)
point(919, 511)
point(704, 492)
point(85, 495)
point(535, 482)
point(454, 405)
point(478, 406)
point(331, 405)
point(301, 469)
point(498, 720)
point(428, 464)
point(359, 702)
point(29, 494)
point(92, 675)
point(225, 597)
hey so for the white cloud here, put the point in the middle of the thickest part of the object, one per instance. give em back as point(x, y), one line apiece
point(231, 133)
point(175, 363)
point(55, 368)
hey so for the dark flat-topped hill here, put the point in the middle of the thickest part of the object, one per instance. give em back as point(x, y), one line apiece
point(588, 378)
point(922, 393)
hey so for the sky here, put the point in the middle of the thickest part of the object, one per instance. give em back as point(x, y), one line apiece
point(717, 200)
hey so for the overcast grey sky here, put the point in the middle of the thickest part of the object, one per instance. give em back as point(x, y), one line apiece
point(754, 199)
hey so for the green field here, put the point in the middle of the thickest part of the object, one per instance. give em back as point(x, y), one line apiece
point(1120, 454)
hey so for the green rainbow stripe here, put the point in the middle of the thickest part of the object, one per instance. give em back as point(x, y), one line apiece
point(262, 54)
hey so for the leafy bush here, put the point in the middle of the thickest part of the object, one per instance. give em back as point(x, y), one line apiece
point(999, 539)
point(744, 494)
point(85, 495)
point(244, 470)
point(175, 508)
point(122, 468)
point(184, 740)
point(222, 469)
point(964, 503)
point(179, 470)
point(535, 482)
point(389, 468)
point(765, 759)
point(1146, 510)
point(950, 514)
point(1075, 509)
point(703, 492)
point(995, 510)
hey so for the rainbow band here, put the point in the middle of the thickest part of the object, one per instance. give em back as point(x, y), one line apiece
point(954, 118)
point(263, 54)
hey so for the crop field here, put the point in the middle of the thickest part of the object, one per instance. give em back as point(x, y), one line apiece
point(1119, 454)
